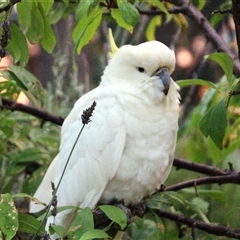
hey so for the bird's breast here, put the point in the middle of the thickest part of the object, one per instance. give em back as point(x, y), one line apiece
point(147, 156)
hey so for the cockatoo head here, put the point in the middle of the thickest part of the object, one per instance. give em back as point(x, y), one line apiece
point(144, 69)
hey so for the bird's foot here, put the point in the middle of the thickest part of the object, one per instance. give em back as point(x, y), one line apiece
point(161, 189)
point(127, 211)
point(140, 208)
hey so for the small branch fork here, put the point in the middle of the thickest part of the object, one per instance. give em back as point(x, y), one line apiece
point(215, 175)
point(233, 177)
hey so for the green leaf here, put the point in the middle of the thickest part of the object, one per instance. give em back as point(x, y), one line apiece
point(93, 5)
point(115, 214)
point(196, 81)
point(8, 216)
point(9, 89)
point(26, 82)
point(48, 40)
point(57, 229)
point(199, 203)
point(159, 234)
point(160, 5)
point(83, 222)
point(216, 195)
point(225, 62)
point(151, 28)
point(29, 224)
point(128, 12)
point(12, 77)
point(215, 18)
point(94, 234)
point(233, 213)
point(145, 231)
point(214, 122)
point(82, 9)
point(199, 4)
point(85, 8)
point(55, 15)
point(25, 8)
point(6, 126)
point(86, 28)
point(34, 89)
point(46, 5)
point(164, 200)
point(66, 2)
point(14, 50)
point(35, 29)
point(29, 155)
point(115, 13)
point(17, 46)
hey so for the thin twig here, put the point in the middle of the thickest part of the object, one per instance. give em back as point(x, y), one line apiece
point(218, 230)
point(173, 10)
point(180, 163)
point(222, 11)
point(233, 177)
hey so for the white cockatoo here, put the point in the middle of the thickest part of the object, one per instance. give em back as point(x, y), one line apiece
point(126, 152)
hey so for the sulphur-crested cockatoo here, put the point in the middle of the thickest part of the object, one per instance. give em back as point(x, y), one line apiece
point(126, 151)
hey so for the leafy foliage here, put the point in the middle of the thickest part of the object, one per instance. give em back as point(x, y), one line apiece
point(9, 219)
point(211, 133)
point(29, 224)
point(214, 122)
point(115, 214)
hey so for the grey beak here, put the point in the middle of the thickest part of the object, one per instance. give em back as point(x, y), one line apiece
point(165, 78)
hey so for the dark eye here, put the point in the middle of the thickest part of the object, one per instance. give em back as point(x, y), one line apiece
point(140, 69)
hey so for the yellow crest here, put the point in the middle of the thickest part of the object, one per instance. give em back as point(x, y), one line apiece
point(113, 46)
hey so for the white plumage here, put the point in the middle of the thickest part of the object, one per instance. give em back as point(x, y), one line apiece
point(126, 151)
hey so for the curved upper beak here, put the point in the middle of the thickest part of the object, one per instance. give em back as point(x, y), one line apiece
point(163, 74)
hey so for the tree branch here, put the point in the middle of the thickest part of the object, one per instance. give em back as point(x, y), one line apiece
point(173, 10)
point(219, 230)
point(233, 177)
point(222, 11)
point(100, 219)
point(180, 163)
point(40, 113)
